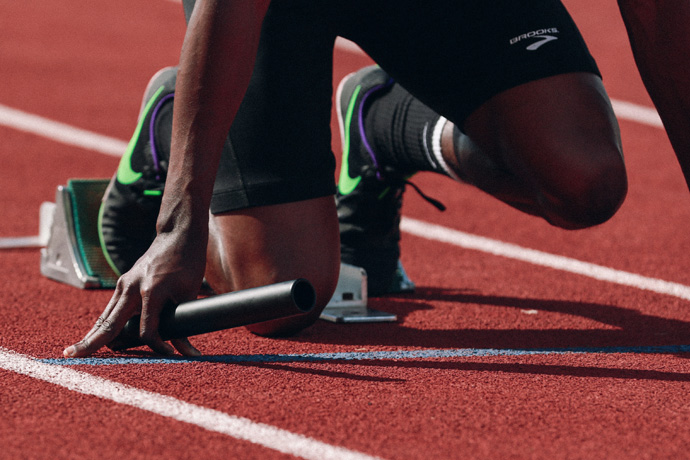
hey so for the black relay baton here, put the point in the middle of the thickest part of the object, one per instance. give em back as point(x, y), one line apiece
point(225, 311)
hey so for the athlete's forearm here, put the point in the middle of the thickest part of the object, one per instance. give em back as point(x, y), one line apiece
point(216, 64)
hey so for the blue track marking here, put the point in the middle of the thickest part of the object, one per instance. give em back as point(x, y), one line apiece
point(367, 356)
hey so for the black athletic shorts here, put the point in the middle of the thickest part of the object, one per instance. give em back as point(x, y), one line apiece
point(453, 55)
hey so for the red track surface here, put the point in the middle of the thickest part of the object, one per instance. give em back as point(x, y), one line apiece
point(86, 64)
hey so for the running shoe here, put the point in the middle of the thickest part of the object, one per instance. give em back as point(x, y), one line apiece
point(130, 206)
point(369, 196)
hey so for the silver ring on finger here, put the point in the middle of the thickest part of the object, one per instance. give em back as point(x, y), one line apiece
point(107, 325)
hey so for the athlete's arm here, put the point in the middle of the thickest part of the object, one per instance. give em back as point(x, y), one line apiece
point(215, 67)
point(659, 33)
point(216, 64)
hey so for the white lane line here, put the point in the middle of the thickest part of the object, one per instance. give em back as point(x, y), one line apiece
point(343, 44)
point(637, 113)
point(209, 419)
point(14, 242)
point(60, 132)
point(545, 259)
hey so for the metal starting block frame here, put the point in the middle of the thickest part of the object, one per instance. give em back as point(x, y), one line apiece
point(349, 303)
point(73, 254)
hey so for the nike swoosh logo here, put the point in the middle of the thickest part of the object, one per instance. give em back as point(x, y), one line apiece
point(125, 174)
point(347, 184)
point(544, 39)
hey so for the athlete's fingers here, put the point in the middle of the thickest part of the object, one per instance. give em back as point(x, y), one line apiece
point(105, 329)
point(151, 308)
point(114, 299)
point(123, 304)
point(185, 347)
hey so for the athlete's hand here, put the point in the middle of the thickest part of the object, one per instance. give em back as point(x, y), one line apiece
point(171, 271)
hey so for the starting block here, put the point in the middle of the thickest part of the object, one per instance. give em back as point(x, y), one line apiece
point(349, 303)
point(73, 254)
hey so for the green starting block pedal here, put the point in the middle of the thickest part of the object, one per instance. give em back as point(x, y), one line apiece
point(73, 254)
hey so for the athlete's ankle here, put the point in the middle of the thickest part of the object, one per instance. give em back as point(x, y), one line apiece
point(405, 134)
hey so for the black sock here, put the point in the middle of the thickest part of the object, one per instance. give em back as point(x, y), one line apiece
point(401, 131)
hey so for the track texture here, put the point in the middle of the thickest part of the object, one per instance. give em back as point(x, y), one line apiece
point(86, 64)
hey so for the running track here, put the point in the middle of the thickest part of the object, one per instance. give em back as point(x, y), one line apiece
point(523, 341)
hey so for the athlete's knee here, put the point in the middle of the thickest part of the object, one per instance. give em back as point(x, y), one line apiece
point(589, 195)
point(324, 283)
point(270, 244)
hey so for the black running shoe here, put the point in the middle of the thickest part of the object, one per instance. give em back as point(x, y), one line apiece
point(127, 219)
point(369, 196)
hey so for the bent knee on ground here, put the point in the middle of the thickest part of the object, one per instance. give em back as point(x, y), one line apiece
point(271, 244)
point(324, 284)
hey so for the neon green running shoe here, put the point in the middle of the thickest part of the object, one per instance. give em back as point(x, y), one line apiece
point(127, 219)
point(369, 197)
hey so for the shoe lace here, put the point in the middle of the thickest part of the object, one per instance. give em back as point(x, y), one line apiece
point(433, 201)
point(394, 179)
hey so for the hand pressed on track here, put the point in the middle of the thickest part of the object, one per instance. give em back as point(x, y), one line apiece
point(170, 272)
